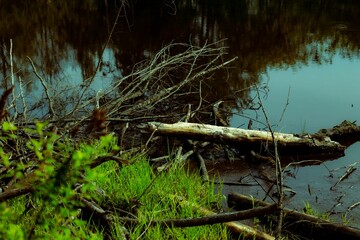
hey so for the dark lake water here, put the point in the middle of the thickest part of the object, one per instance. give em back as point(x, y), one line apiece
point(303, 55)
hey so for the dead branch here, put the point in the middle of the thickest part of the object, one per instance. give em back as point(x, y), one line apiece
point(235, 227)
point(158, 68)
point(220, 217)
point(13, 102)
point(204, 172)
point(167, 92)
point(278, 169)
point(43, 83)
point(108, 219)
point(90, 81)
point(213, 218)
point(218, 116)
point(351, 208)
point(9, 194)
point(347, 173)
point(298, 222)
point(103, 159)
point(22, 98)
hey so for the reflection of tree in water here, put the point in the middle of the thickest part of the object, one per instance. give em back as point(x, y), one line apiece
point(262, 33)
point(47, 30)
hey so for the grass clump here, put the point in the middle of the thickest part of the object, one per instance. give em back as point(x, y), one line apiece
point(308, 209)
point(155, 197)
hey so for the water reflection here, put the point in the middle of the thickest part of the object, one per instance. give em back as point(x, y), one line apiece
point(262, 33)
point(312, 96)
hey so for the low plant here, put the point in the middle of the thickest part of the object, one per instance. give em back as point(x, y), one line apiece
point(308, 209)
point(62, 174)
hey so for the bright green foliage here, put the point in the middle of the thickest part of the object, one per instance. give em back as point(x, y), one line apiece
point(52, 210)
point(8, 126)
point(160, 199)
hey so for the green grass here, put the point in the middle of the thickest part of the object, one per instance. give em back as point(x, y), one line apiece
point(308, 209)
point(158, 201)
point(52, 211)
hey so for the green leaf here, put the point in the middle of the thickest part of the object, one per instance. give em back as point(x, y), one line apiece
point(4, 157)
point(8, 126)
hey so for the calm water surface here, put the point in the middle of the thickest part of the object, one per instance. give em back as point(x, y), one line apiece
point(314, 96)
point(306, 98)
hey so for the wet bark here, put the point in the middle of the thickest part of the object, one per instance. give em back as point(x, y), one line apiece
point(345, 133)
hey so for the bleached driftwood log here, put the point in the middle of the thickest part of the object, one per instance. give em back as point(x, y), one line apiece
point(297, 144)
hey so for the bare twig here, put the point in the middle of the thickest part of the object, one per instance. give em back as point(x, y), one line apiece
point(43, 83)
point(13, 102)
point(285, 107)
point(218, 115)
point(100, 160)
point(204, 172)
point(90, 81)
point(348, 172)
point(123, 131)
point(213, 219)
point(200, 98)
point(351, 208)
point(279, 173)
point(220, 217)
point(22, 98)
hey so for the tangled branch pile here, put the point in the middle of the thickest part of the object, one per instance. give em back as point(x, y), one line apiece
point(156, 89)
point(48, 161)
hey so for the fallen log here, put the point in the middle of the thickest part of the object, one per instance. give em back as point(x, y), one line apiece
point(300, 223)
point(248, 139)
point(247, 232)
point(346, 133)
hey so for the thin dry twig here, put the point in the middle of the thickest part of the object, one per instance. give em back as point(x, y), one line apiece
point(351, 208)
point(13, 102)
point(204, 172)
point(279, 172)
point(43, 83)
point(212, 219)
point(348, 172)
point(103, 159)
point(285, 107)
point(22, 98)
point(91, 80)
